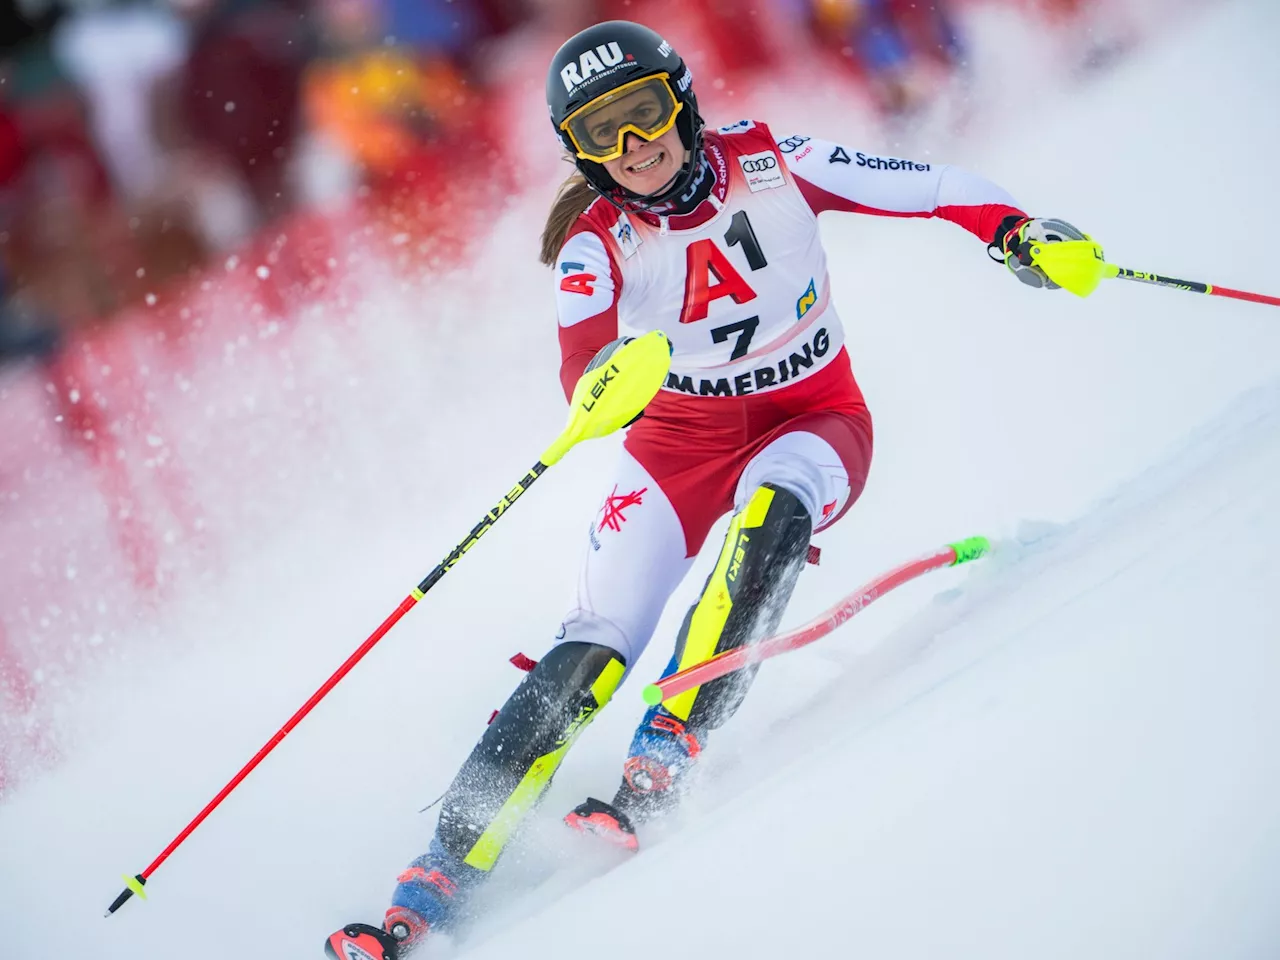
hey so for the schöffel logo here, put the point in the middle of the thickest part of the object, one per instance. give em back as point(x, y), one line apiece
point(889, 163)
point(722, 169)
point(769, 162)
point(590, 63)
point(792, 144)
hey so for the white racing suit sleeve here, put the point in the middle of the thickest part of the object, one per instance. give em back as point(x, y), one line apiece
point(835, 177)
point(588, 286)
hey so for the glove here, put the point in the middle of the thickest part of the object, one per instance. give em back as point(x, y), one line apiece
point(1015, 238)
point(602, 357)
point(604, 353)
point(623, 378)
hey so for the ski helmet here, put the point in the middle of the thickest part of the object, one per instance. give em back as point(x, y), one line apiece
point(630, 78)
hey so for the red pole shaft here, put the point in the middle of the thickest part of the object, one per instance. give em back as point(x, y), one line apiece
point(405, 605)
point(1242, 295)
point(842, 612)
point(135, 884)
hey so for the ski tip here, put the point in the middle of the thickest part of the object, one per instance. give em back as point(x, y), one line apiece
point(652, 694)
point(971, 548)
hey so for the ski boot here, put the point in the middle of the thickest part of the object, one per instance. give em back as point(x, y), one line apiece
point(663, 752)
point(605, 821)
point(401, 930)
point(426, 898)
point(359, 941)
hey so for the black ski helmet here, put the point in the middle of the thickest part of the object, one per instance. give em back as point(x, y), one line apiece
point(602, 58)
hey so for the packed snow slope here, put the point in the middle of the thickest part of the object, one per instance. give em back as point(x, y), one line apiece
point(1068, 752)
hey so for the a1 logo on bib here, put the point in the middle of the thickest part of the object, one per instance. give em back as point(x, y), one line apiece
point(763, 171)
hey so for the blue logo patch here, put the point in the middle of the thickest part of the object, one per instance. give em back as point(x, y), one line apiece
point(807, 300)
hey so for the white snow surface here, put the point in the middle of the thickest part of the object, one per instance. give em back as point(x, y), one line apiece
point(1066, 751)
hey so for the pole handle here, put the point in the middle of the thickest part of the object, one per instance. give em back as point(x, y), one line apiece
point(1080, 265)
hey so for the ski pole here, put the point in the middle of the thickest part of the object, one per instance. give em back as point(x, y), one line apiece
point(610, 394)
point(1191, 286)
point(951, 555)
point(1079, 266)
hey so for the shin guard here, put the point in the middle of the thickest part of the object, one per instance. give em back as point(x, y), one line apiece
point(742, 602)
point(512, 765)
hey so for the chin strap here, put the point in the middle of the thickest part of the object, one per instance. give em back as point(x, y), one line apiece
point(665, 204)
point(629, 202)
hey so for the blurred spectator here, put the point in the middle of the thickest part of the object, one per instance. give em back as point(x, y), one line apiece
point(122, 55)
point(930, 31)
point(139, 137)
point(56, 199)
point(118, 55)
point(408, 116)
point(892, 43)
point(22, 334)
point(240, 92)
point(728, 36)
point(12, 149)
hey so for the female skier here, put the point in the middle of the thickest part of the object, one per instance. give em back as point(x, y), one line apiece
point(711, 237)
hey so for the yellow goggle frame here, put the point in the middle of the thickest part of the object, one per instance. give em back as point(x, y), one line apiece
point(589, 150)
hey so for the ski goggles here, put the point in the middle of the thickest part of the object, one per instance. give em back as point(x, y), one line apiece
point(646, 107)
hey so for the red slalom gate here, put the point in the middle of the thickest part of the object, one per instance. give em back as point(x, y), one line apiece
point(951, 555)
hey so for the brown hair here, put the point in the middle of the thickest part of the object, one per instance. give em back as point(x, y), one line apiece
point(574, 196)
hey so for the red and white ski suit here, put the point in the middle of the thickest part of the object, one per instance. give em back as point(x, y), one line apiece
point(761, 388)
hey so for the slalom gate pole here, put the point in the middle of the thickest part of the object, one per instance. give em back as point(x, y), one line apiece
point(951, 555)
point(1191, 286)
point(609, 395)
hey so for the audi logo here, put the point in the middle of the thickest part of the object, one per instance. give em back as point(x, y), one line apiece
point(759, 166)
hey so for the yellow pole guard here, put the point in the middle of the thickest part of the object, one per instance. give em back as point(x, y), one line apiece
point(612, 395)
point(1075, 265)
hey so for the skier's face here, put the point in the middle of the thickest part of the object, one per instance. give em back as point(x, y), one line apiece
point(648, 166)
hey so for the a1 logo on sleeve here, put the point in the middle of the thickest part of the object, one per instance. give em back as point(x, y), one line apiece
point(579, 282)
point(763, 171)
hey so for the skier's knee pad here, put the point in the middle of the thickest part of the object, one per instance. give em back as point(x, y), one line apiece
point(512, 765)
point(743, 599)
